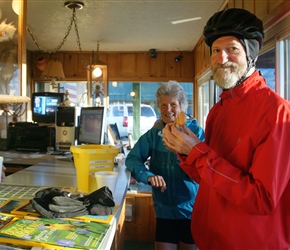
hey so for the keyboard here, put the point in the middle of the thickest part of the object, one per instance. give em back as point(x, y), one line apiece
point(29, 149)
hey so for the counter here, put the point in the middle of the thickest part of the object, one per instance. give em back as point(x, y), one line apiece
point(24, 158)
point(58, 171)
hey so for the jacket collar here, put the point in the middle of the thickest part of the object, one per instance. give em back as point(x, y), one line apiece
point(253, 82)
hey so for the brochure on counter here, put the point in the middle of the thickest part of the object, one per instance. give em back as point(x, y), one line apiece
point(52, 233)
point(22, 228)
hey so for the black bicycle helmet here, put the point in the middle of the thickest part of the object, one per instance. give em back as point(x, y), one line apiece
point(241, 24)
point(236, 22)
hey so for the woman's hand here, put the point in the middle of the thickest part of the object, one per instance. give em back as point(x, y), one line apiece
point(179, 140)
point(157, 181)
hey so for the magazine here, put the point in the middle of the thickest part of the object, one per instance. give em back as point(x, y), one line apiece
point(58, 232)
point(11, 204)
point(17, 244)
point(9, 246)
point(6, 219)
point(25, 209)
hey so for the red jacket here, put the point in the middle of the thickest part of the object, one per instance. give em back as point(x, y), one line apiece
point(243, 169)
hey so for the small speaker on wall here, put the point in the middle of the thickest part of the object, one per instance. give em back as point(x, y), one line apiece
point(152, 53)
point(178, 58)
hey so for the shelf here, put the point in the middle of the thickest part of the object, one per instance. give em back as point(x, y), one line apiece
point(8, 99)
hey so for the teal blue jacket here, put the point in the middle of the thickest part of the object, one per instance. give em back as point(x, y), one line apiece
point(177, 200)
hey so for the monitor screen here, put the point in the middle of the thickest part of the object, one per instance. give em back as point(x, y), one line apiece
point(43, 106)
point(91, 126)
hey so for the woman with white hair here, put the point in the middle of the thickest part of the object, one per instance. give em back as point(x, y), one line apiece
point(173, 191)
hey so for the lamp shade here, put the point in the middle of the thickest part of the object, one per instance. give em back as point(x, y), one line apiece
point(53, 70)
point(15, 6)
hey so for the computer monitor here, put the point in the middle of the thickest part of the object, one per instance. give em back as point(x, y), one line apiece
point(43, 106)
point(91, 126)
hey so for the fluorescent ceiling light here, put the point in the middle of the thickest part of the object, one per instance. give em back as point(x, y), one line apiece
point(185, 20)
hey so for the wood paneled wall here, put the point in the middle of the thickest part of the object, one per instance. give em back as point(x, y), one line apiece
point(139, 66)
point(124, 66)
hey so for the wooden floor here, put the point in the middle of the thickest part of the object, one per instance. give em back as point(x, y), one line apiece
point(138, 245)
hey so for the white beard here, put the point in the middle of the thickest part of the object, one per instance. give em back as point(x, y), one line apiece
point(227, 75)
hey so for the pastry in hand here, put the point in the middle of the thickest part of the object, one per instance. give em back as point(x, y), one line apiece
point(180, 120)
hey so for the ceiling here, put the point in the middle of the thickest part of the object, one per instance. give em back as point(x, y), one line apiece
point(118, 25)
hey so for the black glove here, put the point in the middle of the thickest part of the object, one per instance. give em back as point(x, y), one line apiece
point(102, 196)
point(54, 203)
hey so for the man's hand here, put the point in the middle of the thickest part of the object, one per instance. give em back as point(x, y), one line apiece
point(180, 141)
point(157, 181)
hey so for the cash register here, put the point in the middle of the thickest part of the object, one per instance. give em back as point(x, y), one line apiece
point(31, 137)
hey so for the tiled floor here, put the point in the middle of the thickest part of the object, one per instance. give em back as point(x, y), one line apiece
point(138, 245)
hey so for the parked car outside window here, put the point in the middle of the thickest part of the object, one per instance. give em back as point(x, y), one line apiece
point(122, 115)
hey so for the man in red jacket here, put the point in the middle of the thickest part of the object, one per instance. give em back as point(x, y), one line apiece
point(243, 167)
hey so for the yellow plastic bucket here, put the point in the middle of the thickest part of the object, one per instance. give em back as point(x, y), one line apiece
point(89, 159)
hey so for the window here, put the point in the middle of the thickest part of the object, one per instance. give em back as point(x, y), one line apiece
point(119, 93)
point(208, 95)
point(77, 90)
point(283, 63)
point(274, 66)
point(266, 65)
point(130, 111)
point(146, 112)
point(118, 111)
point(203, 101)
